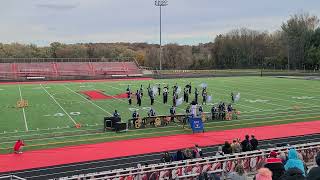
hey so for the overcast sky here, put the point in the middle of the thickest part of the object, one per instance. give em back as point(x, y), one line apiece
point(184, 21)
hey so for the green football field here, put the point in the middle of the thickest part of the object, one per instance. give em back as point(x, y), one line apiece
point(55, 108)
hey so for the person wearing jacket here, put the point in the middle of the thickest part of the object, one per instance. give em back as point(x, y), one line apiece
point(275, 165)
point(18, 146)
point(235, 146)
point(238, 174)
point(294, 161)
point(293, 174)
point(314, 173)
point(179, 155)
point(226, 149)
point(264, 174)
point(219, 152)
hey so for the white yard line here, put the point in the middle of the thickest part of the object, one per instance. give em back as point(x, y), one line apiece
point(24, 113)
point(121, 99)
point(273, 111)
point(281, 110)
point(210, 122)
point(59, 105)
point(88, 100)
point(154, 98)
point(309, 88)
point(279, 90)
point(236, 104)
point(279, 99)
point(259, 96)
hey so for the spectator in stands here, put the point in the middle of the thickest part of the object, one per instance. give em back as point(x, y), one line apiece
point(197, 152)
point(283, 157)
point(254, 143)
point(226, 149)
point(206, 176)
point(294, 161)
point(188, 154)
point(179, 155)
point(264, 174)
point(275, 165)
point(219, 152)
point(18, 146)
point(304, 164)
point(238, 174)
point(293, 174)
point(235, 146)
point(166, 158)
point(246, 145)
point(314, 173)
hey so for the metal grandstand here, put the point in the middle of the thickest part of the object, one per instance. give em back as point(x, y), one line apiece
point(192, 168)
point(67, 68)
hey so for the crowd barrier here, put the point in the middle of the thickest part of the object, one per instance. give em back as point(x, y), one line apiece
point(188, 169)
point(11, 177)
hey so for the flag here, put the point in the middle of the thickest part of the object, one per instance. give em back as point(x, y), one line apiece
point(179, 90)
point(203, 85)
point(154, 90)
point(237, 98)
point(179, 101)
point(209, 98)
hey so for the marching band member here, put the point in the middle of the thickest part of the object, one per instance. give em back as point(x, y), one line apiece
point(116, 114)
point(204, 96)
point(196, 94)
point(172, 112)
point(165, 95)
point(151, 112)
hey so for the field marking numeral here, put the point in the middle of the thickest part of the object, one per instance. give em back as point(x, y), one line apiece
point(257, 101)
point(63, 114)
point(133, 109)
point(303, 97)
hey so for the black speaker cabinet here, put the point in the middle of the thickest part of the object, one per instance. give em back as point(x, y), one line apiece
point(110, 122)
point(119, 127)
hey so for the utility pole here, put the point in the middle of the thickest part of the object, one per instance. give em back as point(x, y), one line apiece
point(160, 3)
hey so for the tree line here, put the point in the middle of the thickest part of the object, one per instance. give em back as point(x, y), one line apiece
point(296, 45)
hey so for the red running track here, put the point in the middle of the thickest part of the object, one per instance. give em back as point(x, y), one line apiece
point(73, 154)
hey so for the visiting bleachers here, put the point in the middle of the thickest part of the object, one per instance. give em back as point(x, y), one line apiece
point(33, 69)
point(58, 70)
point(73, 69)
point(5, 70)
point(218, 165)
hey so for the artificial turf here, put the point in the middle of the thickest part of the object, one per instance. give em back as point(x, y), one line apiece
point(54, 109)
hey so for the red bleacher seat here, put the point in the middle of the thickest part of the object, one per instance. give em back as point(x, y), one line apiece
point(73, 69)
point(5, 70)
point(61, 69)
point(34, 69)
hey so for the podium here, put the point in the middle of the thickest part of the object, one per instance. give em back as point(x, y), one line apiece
point(196, 124)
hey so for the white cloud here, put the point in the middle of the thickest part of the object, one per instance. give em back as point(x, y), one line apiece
point(56, 6)
point(45, 21)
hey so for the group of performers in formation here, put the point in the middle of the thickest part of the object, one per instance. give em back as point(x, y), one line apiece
point(175, 94)
point(220, 111)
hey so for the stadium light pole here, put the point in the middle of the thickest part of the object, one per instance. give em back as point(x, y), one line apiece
point(288, 58)
point(160, 3)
